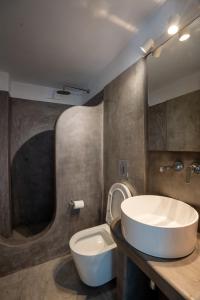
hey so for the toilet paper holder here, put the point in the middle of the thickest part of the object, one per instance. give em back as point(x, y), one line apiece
point(71, 203)
point(77, 204)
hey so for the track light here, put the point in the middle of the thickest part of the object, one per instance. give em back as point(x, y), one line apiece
point(173, 27)
point(184, 35)
point(148, 46)
point(157, 52)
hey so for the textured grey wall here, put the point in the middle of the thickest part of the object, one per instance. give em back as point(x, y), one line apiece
point(157, 127)
point(32, 162)
point(5, 205)
point(79, 166)
point(173, 184)
point(125, 101)
point(175, 124)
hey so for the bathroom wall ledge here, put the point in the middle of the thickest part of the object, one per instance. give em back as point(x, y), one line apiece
point(178, 279)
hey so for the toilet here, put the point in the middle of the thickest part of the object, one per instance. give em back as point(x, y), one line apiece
point(93, 249)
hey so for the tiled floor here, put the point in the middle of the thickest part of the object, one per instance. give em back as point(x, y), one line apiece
point(54, 280)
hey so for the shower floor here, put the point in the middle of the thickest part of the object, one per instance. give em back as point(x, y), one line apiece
point(31, 229)
point(23, 232)
point(54, 280)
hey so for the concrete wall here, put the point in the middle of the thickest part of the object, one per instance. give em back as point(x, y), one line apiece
point(175, 124)
point(32, 144)
point(5, 204)
point(125, 102)
point(79, 166)
point(171, 183)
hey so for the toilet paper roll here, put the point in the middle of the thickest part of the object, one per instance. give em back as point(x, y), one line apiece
point(78, 204)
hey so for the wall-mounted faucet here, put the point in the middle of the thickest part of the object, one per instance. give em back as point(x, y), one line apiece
point(177, 166)
point(194, 168)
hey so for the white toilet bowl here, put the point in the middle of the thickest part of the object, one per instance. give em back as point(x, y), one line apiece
point(93, 253)
point(94, 249)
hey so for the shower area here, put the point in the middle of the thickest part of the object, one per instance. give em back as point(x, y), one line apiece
point(30, 154)
point(51, 154)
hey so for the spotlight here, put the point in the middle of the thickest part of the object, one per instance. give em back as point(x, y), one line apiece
point(173, 25)
point(184, 35)
point(148, 46)
point(173, 29)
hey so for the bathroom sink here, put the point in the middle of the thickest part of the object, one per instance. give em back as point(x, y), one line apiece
point(159, 226)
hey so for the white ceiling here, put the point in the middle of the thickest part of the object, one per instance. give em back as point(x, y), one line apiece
point(50, 42)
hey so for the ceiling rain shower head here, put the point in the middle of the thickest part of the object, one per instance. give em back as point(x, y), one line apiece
point(63, 92)
point(68, 90)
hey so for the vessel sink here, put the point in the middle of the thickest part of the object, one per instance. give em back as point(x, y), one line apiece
point(159, 226)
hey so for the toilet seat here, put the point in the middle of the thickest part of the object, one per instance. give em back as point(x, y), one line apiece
point(92, 241)
point(117, 194)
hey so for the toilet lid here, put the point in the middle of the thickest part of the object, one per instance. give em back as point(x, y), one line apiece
point(117, 193)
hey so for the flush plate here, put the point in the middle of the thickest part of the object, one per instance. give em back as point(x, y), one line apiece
point(123, 168)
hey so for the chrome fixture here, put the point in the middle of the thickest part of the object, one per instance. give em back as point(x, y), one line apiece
point(67, 90)
point(157, 52)
point(177, 166)
point(63, 92)
point(173, 25)
point(148, 46)
point(123, 168)
point(194, 168)
point(184, 35)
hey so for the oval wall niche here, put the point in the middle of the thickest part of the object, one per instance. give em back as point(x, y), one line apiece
point(32, 186)
point(27, 193)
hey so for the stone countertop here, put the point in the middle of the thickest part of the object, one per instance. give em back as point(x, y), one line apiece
point(176, 278)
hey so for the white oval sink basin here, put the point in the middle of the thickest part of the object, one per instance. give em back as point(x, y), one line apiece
point(159, 226)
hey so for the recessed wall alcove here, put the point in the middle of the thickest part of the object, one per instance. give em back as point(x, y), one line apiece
point(32, 185)
point(32, 166)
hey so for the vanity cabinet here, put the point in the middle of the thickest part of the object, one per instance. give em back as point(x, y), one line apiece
point(175, 279)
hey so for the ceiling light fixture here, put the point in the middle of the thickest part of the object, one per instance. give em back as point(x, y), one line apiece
point(173, 27)
point(148, 46)
point(157, 52)
point(184, 35)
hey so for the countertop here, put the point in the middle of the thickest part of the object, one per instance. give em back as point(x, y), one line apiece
point(176, 278)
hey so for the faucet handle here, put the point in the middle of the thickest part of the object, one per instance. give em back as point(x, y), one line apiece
point(178, 166)
point(196, 167)
point(193, 168)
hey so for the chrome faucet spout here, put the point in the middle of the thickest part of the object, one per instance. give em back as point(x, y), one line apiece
point(194, 168)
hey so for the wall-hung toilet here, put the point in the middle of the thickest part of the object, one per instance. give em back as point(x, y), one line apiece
point(93, 249)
